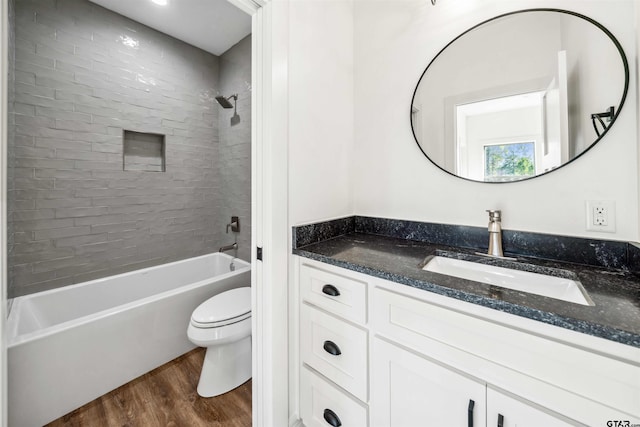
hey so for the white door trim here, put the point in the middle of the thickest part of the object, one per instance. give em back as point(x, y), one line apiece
point(269, 201)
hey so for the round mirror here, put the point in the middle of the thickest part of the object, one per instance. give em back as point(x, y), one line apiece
point(519, 95)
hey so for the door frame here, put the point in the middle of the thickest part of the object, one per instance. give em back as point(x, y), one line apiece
point(269, 217)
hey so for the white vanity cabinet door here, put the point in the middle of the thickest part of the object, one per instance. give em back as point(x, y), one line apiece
point(410, 391)
point(556, 375)
point(508, 411)
point(322, 404)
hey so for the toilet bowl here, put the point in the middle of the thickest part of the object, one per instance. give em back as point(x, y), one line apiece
point(222, 324)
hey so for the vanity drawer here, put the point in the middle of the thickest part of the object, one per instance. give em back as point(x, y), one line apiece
point(337, 294)
point(335, 348)
point(321, 401)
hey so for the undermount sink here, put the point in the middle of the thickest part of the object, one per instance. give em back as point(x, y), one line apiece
point(525, 281)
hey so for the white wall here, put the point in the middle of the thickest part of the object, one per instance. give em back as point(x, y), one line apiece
point(320, 115)
point(394, 42)
point(321, 118)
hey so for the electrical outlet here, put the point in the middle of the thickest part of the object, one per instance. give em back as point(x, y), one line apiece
point(601, 216)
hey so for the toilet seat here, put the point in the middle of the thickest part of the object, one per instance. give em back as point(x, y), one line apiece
point(226, 308)
point(220, 323)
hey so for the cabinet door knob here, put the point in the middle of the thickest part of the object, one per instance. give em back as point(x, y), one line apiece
point(470, 413)
point(500, 420)
point(330, 290)
point(331, 348)
point(331, 418)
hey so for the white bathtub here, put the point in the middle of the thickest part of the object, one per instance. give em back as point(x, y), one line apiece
point(71, 345)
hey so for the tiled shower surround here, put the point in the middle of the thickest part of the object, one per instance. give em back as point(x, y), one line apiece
point(11, 48)
point(235, 145)
point(83, 75)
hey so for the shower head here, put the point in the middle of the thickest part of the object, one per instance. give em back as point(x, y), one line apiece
point(224, 102)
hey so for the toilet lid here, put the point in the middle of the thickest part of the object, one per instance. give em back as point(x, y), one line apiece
point(227, 305)
point(221, 323)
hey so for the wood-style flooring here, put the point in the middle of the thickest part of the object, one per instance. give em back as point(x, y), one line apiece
point(165, 396)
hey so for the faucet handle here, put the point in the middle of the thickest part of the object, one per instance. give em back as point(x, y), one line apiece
point(494, 215)
point(234, 225)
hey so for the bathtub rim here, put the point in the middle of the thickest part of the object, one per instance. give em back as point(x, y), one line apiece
point(12, 339)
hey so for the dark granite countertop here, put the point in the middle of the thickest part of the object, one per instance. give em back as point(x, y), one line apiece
point(615, 293)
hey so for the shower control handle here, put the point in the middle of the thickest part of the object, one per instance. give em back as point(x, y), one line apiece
point(330, 290)
point(234, 224)
point(331, 348)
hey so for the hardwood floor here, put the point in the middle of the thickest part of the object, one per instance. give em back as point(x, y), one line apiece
point(165, 396)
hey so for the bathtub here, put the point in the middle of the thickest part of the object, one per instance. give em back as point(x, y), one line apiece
point(71, 345)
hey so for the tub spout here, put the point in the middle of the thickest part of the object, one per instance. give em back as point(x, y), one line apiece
point(233, 246)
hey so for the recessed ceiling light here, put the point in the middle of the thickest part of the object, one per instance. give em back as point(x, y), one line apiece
point(161, 2)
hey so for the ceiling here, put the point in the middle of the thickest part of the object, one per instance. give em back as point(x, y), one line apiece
point(211, 25)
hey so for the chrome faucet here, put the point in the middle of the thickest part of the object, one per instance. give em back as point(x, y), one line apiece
point(495, 234)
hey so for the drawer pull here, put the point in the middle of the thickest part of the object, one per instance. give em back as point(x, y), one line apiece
point(331, 418)
point(470, 413)
point(330, 290)
point(331, 348)
point(500, 420)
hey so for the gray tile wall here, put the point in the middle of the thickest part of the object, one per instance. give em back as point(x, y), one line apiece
point(143, 152)
point(10, 113)
point(235, 144)
point(82, 75)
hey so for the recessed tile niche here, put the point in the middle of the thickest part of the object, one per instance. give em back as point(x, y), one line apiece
point(143, 151)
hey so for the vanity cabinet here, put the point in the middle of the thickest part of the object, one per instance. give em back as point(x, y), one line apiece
point(334, 349)
point(409, 357)
point(411, 390)
point(507, 411)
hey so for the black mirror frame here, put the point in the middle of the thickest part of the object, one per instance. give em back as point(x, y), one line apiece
point(568, 12)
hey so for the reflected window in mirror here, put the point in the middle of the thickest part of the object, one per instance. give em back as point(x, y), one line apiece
point(509, 162)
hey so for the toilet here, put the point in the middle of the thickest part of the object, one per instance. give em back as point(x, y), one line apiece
point(222, 324)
